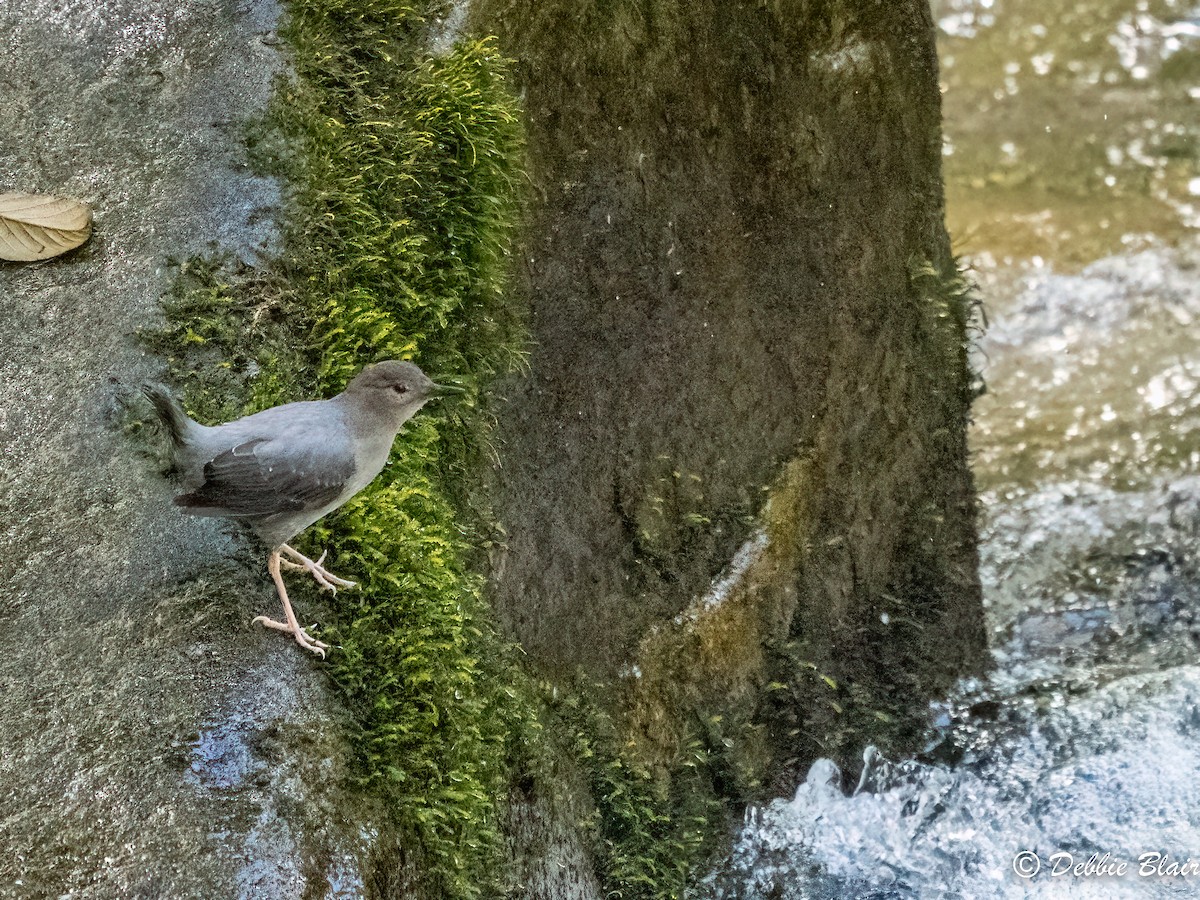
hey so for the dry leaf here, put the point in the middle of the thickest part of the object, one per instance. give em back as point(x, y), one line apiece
point(34, 226)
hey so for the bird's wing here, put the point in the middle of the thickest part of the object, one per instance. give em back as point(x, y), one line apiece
point(262, 477)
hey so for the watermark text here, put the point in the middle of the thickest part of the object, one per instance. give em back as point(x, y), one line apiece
point(1061, 864)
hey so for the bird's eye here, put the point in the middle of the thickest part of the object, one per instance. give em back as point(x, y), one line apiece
point(399, 388)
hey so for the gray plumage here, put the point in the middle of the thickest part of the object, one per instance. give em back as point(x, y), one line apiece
point(281, 469)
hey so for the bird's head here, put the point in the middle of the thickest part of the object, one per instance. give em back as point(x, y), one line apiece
point(395, 388)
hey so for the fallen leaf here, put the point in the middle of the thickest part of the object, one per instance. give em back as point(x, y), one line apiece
point(34, 226)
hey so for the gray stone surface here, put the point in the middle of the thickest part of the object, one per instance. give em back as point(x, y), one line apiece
point(154, 745)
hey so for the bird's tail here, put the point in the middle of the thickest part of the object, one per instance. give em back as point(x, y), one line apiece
point(173, 417)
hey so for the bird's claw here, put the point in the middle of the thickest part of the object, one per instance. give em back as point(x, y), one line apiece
point(303, 638)
point(322, 576)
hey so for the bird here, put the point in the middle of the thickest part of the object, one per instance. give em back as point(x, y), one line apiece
point(282, 469)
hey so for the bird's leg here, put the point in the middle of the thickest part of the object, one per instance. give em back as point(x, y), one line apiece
point(326, 579)
point(291, 625)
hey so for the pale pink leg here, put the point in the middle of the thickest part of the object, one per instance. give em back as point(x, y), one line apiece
point(291, 625)
point(326, 579)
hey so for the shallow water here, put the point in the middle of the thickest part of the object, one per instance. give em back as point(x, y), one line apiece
point(1072, 181)
point(1071, 127)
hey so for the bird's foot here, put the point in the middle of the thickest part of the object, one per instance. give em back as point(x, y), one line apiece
point(326, 579)
point(303, 638)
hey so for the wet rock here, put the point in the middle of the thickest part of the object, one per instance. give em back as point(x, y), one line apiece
point(130, 683)
point(712, 308)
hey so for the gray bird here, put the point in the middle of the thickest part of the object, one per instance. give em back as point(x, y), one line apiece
point(281, 469)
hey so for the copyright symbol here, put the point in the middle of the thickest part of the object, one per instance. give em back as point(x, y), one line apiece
point(1026, 864)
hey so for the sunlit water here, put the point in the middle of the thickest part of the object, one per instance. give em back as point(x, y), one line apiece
point(1071, 125)
point(1082, 747)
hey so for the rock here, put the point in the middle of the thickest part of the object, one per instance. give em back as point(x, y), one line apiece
point(132, 686)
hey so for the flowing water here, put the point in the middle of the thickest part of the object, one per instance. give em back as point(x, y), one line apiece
point(1071, 770)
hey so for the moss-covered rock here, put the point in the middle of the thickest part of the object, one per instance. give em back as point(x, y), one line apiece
point(401, 166)
point(735, 478)
point(747, 364)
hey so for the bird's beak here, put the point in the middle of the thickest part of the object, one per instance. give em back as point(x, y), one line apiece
point(445, 390)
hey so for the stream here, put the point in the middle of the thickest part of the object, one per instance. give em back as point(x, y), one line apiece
point(1070, 770)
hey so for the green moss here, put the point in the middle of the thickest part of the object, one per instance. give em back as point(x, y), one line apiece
point(402, 169)
point(403, 172)
point(653, 826)
point(951, 318)
point(227, 327)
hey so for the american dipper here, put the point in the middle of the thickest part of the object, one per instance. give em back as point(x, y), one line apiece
point(281, 469)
